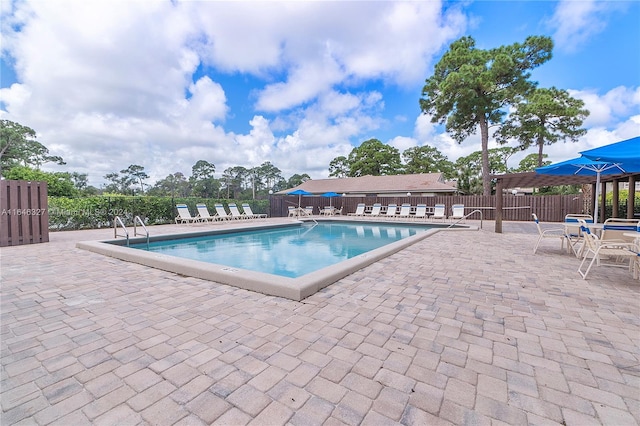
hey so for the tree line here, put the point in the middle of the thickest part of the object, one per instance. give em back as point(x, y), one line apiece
point(471, 90)
point(372, 157)
point(375, 158)
point(236, 182)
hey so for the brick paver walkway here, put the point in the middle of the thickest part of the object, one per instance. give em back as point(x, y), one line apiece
point(461, 328)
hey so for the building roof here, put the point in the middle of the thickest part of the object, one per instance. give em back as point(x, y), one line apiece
point(416, 183)
point(536, 180)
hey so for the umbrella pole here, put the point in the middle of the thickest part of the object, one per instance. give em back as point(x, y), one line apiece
point(595, 215)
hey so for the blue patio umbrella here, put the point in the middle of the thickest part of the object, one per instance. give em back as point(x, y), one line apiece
point(299, 193)
point(582, 166)
point(330, 196)
point(626, 153)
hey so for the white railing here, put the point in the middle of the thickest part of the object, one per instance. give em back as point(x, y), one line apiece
point(117, 221)
point(466, 216)
point(135, 231)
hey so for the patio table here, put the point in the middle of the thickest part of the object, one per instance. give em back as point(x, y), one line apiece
point(328, 211)
point(299, 211)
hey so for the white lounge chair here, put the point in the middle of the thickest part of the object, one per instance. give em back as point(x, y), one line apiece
point(293, 211)
point(457, 212)
point(439, 212)
point(375, 210)
point(235, 213)
point(615, 228)
point(405, 211)
point(359, 210)
point(222, 213)
point(203, 213)
point(308, 210)
point(246, 208)
point(184, 215)
point(547, 233)
point(391, 211)
point(421, 212)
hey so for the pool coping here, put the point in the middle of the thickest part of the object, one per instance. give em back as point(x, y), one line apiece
point(274, 285)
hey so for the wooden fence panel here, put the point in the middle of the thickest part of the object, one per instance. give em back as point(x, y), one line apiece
point(549, 208)
point(24, 216)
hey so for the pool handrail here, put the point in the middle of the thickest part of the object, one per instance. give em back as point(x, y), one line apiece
point(135, 231)
point(466, 216)
point(117, 221)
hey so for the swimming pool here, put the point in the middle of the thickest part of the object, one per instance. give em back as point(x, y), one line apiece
point(295, 288)
point(291, 251)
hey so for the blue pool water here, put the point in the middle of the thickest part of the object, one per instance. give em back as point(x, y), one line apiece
point(287, 251)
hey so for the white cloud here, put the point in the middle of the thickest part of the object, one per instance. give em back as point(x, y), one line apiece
point(304, 83)
point(433, 134)
point(207, 102)
point(424, 128)
point(618, 103)
point(237, 36)
point(17, 95)
point(629, 128)
point(90, 55)
point(576, 21)
point(324, 130)
point(398, 40)
point(253, 148)
point(335, 103)
point(402, 143)
point(165, 84)
point(148, 82)
point(395, 43)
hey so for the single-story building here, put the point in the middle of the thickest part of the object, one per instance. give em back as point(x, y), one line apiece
point(422, 184)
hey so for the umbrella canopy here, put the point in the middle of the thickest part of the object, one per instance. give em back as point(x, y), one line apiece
point(626, 153)
point(330, 194)
point(299, 193)
point(582, 166)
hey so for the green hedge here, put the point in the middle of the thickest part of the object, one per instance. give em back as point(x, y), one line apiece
point(622, 203)
point(66, 213)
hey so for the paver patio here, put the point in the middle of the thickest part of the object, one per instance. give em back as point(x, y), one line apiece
point(460, 328)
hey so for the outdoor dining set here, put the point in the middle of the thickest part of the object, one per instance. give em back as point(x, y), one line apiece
point(616, 242)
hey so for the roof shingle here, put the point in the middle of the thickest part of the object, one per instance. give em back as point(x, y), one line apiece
point(422, 182)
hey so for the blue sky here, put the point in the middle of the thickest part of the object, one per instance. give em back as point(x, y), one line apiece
point(165, 84)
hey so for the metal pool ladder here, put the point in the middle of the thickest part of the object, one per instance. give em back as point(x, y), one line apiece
point(118, 221)
point(135, 230)
point(466, 216)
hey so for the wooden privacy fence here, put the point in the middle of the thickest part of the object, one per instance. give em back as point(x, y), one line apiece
point(549, 208)
point(24, 216)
